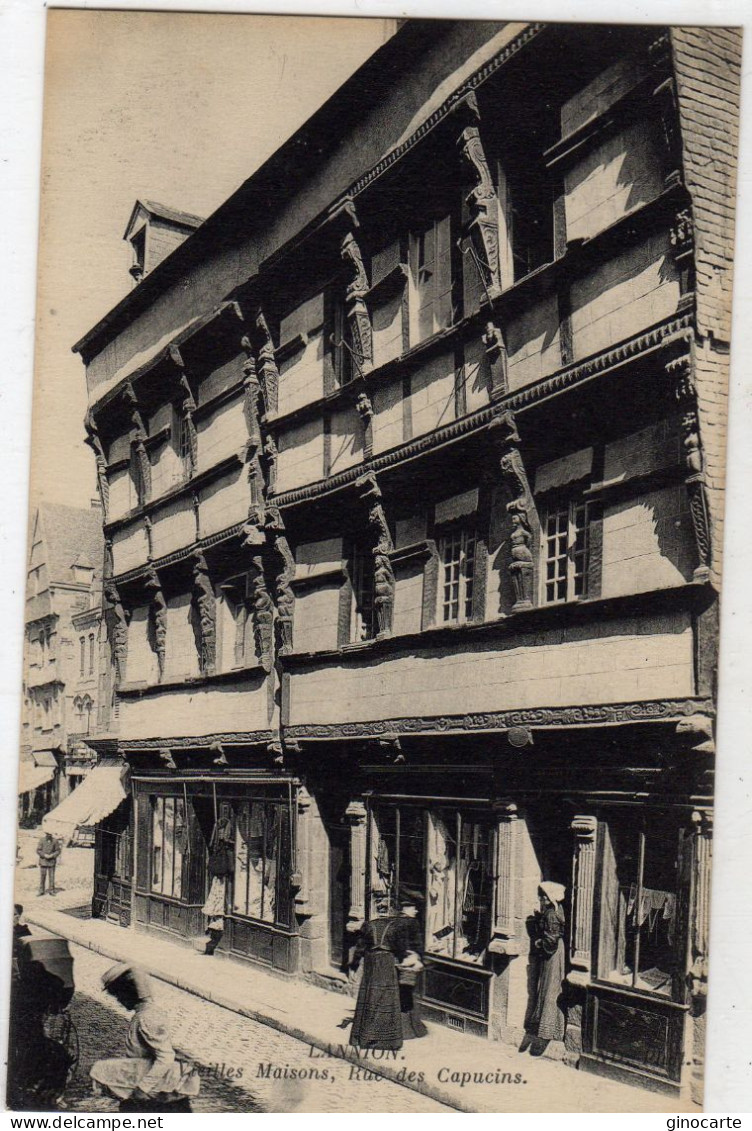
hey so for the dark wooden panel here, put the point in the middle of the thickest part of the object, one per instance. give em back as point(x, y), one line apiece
point(466, 991)
point(636, 1033)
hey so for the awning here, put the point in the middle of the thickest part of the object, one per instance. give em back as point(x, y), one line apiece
point(31, 777)
point(44, 758)
point(98, 795)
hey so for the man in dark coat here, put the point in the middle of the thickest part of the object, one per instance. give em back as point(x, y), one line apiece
point(48, 850)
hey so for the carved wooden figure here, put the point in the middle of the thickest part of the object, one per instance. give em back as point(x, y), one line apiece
point(206, 608)
point(383, 573)
point(267, 364)
point(356, 310)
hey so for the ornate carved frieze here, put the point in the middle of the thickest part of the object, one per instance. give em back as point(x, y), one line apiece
point(158, 616)
point(482, 206)
point(496, 353)
point(356, 310)
point(382, 547)
point(583, 892)
point(356, 814)
point(95, 443)
point(267, 364)
point(206, 609)
point(680, 370)
point(283, 578)
point(521, 508)
point(603, 714)
point(116, 622)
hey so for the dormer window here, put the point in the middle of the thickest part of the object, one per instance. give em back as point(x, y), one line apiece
point(153, 232)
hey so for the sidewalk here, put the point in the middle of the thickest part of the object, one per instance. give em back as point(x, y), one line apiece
point(433, 1066)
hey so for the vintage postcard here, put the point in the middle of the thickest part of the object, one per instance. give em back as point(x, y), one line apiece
point(371, 627)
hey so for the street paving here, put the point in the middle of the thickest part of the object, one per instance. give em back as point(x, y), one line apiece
point(228, 1050)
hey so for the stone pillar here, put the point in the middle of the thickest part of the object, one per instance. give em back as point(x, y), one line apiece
point(505, 937)
point(701, 859)
point(310, 881)
point(356, 813)
point(583, 890)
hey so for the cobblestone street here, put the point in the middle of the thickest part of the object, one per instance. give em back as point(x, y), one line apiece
point(229, 1051)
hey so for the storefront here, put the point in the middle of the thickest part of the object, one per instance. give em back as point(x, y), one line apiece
point(231, 839)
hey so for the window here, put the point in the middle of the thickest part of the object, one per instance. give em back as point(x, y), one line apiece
point(169, 845)
point(78, 707)
point(363, 619)
point(262, 850)
point(430, 302)
point(566, 552)
point(457, 574)
point(184, 451)
point(238, 646)
point(445, 857)
point(638, 944)
point(343, 362)
point(91, 653)
point(138, 491)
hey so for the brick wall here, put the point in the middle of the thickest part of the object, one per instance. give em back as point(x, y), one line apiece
point(707, 64)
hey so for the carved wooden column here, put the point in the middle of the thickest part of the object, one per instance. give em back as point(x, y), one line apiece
point(95, 443)
point(521, 509)
point(364, 409)
point(301, 878)
point(357, 814)
point(504, 939)
point(138, 439)
point(496, 354)
point(583, 893)
point(206, 608)
point(267, 364)
point(252, 411)
point(683, 253)
point(680, 371)
point(254, 539)
point(482, 226)
point(158, 611)
point(356, 311)
point(702, 822)
point(383, 573)
point(283, 579)
point(116, 623)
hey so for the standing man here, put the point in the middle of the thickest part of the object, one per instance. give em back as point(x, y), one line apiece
point(48, 850)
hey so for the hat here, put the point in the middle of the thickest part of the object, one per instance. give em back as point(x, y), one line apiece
point(135, 975)
point(555, 892)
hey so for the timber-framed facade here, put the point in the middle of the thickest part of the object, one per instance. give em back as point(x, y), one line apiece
point(412, 475)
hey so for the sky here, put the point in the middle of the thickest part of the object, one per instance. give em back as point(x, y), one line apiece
point(175, 107)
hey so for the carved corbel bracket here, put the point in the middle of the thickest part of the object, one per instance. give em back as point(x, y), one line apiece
point(206, 609)
point(697, 732)
point(158, 608)
point(356, 310)
point(187, 408)
point(364, 408)
point(218, 750)
point(284, 576)
point(681, 372)
point(251, 396)
point(482, 206)
point(139, 436)
point(166, 758)
point(267, 364)
point(382, 546)
point(95, 443)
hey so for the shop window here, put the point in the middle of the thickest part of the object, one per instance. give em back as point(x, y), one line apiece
point(430, 262)
point(262, 848)
point(638, 929)
point(566, 552)
point(443, 856)
point(457, 573)
point(363, 621)
point(169, 846)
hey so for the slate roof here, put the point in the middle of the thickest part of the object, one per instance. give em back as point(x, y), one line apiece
point(154, 208)
point(71, 535)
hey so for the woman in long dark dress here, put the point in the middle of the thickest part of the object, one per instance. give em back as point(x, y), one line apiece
point(378, 1022)
point(547, 1020)
point(410, 940)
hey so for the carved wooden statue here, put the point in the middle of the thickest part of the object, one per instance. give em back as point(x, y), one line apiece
point(358, 318)
point(158, 613)
point(383, 573)
point(283, 578)
point(94, 441)
point(267, 364)
point(206, 607)
point(116, 621)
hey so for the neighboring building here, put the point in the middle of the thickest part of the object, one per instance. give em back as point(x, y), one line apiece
point(62, 654)
point(412, 464)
